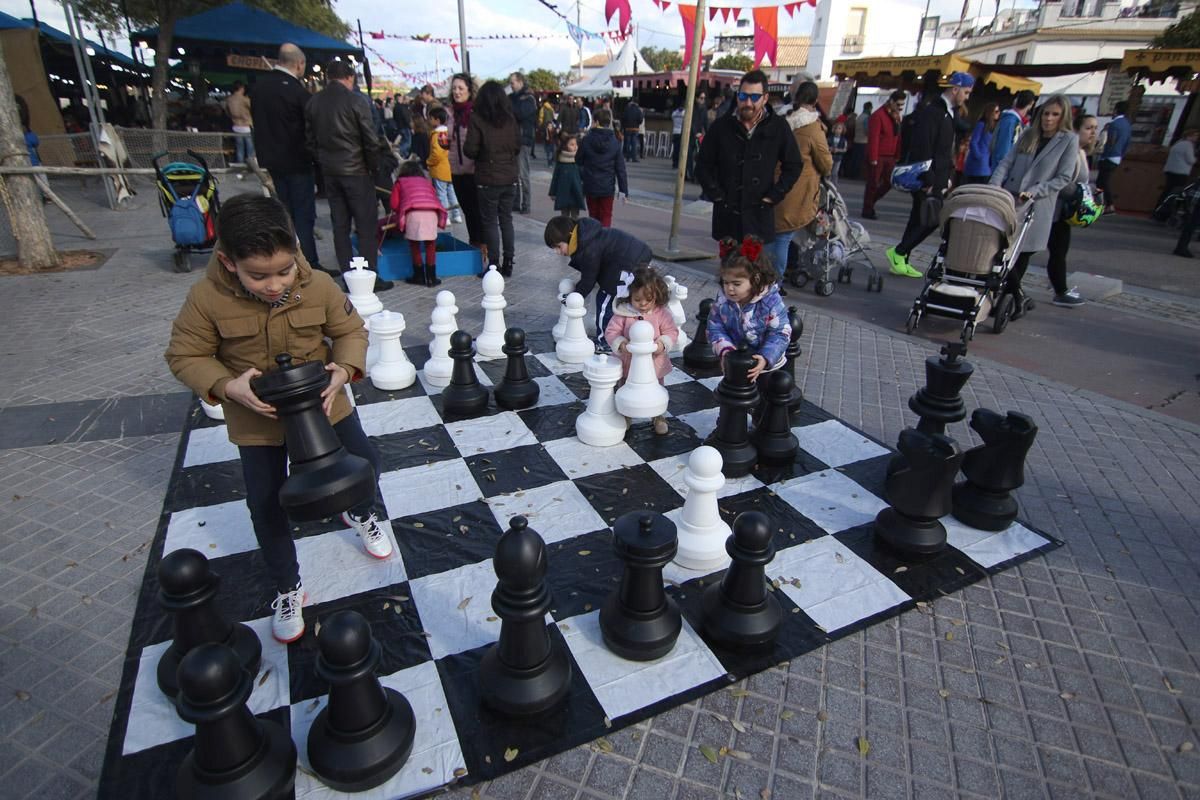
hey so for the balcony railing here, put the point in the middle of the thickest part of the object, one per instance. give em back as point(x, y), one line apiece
point(852, 45)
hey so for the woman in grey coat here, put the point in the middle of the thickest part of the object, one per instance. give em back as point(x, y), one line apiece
point(1040, 165)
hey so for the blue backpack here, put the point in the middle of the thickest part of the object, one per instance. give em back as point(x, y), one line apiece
point(188, 223)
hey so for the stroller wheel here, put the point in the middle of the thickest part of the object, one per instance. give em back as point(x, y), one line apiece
point(874, 283)
point(183, 261)
point(799, 278)
point(911, 324)
point(1003, 313)
point(823, 288)
point(968, 332)
point(844, 273)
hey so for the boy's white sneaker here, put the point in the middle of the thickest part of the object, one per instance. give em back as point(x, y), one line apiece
point(374, 537)
point(288, 623)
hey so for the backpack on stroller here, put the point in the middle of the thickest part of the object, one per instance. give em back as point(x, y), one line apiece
point(836, 242)
point(187, 195)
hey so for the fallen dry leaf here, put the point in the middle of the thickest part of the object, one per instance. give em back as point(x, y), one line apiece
point(738, 726)
point(604, 744)
point(511, 753)
point(787, 713)
point(864, 746)
point(943, 693)
point(264, 677)
point(708, 753)
point(466, 601)
point(460, 771)
point(822, 715)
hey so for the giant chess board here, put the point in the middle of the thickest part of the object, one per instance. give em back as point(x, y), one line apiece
point(450, 489)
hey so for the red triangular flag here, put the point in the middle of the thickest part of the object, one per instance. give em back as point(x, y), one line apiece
point(621, 9)
point(375, 35)
point(737, 12)
point(712, 13)
point(725, 15)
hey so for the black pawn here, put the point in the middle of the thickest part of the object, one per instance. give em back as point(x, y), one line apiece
point(739, 612)
point(323, 479)
point(939, 402)
point(235, 756)
point(773, 438)
point(638, 621)
point(464, 397)
point(738, 397)
point(186, 590)
point(793, 351)
point(699, 352)
point(526, 671)
point(918, 486)
point(993, 470)
point(365, 734)
point(516, 389)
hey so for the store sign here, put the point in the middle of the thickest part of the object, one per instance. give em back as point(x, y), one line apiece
point(1117, 85)
point(250, 62)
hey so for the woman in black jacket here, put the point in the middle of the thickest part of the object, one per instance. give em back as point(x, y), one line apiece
point(494, 141)
point(601, 162)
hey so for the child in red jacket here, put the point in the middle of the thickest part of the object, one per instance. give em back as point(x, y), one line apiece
point(419, 216)
point(648, 298)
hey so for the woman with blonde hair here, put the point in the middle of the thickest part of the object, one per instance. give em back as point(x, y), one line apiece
point(1040, 166)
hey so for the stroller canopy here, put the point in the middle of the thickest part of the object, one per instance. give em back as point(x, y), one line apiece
point(995, 203)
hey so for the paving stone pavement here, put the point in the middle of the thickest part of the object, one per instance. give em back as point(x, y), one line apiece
point(1074, 675)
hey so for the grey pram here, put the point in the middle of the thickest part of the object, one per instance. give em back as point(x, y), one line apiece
point(836, 242)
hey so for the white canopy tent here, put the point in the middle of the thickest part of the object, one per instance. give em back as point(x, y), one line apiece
point(627, 62)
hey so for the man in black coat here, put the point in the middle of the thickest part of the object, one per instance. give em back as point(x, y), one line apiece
point(737, 164)
point(929, 136)
point(525, 109)
point(631, 123)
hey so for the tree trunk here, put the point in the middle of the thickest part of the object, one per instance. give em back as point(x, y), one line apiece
point(162, 69)
point(35, 247)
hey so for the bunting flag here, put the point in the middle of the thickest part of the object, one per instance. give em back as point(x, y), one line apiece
point(725, 15)
point(712, 13)
point(621, 9)
point(766, 34)
point(737, 12)
point(688, 15)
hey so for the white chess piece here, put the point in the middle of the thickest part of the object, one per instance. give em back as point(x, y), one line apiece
point(642, 396)
point(490, 343)
point(361, 283)
point(565, 287)
point(678, 294)
point(393, 370)
point(600, 425)
point(445, 299)
point(702, 532)
point(217, 412)
point(574, 347)
point(440, 365)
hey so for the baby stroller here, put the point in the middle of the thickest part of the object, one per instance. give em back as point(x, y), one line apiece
point(1176, 206)
point(837, 242)
point(187, 195)
point(981, 237)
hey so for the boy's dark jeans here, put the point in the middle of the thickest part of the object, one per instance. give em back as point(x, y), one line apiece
point(265, 469)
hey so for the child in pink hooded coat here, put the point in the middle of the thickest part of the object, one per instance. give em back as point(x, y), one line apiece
point(648, 298)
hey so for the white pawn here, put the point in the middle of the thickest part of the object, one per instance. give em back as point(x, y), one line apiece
point(600, 425)
point(702, 532)
point(642, 396)
point(361, 283)
point(440, 365)
point(445, 299)
point(565, 287)
point(393, 370)
point(211, 411)
point(677, 295)
point(490, 343)
point(574, 347)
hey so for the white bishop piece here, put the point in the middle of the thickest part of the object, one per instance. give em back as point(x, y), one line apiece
point(642, 396)
point(574, 347)
point(361, 283)
point(565, 287)
point(445, 299)
point(490, 343)
point(600, 425)
point(702, 532)
point(440, 365)
point(211, 411)
point(676, 294)
point(393, 370)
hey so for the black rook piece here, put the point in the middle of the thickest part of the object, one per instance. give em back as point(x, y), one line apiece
point(516, 389)
point(938, 402)
point(792, 353)
point(365, 734)
point(739, 612)
point(186, 589)
point(323, 479)
point(993, 469)
point(699, 352)
point(639, 622)
point(234, 755)
point(738, 397)
point(526, 671)
point(920, 479)
point(464, 397)
point(776, 443)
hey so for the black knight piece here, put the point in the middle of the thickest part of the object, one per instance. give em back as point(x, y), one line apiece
point(738, 397)
point(638, 621)
point(993, 470)
point(186, 590)
point(796, 398)
point(938, 403)
point(365, 734)
point(234, 756)
point(464, 397)
point(527, 671)
point(516, 390)
point(699, 353)
point(919, 482)
point(739, 612)
point(773, 438)
point(323, 479)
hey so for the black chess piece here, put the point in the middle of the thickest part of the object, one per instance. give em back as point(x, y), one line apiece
point(738, 397)
point(792, 352)
point(323, 479)
point(516, 390)
point(919, 482)
point(739, 613)
point(464, 397)
point(699, 353)
point(365, 734)
point(186, 590)
point(234, 756)
point(993, 470)
point(526, 671)
point(939, 402)
point(638, 621)
point(773, 438)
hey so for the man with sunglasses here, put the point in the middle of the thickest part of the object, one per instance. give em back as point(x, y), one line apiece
point(738, 160)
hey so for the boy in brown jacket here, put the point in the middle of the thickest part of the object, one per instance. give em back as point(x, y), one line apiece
point(260, 298)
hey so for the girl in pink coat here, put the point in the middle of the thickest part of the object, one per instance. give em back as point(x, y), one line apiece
point(419, 216)
point(647, 301)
